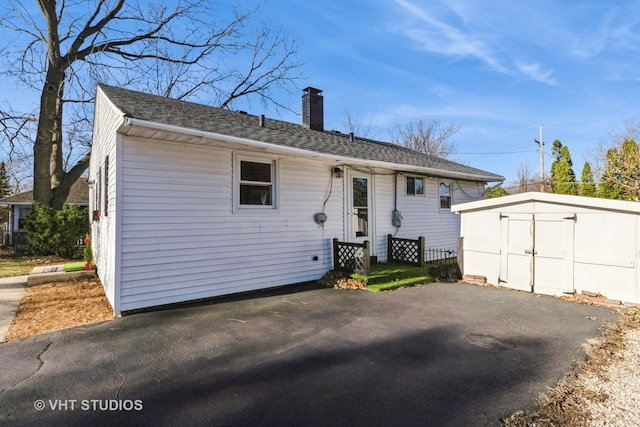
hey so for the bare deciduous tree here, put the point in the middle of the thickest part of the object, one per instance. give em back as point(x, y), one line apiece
point(186, 49)
point(353, 123)
point(528, 180)
point(430, 136)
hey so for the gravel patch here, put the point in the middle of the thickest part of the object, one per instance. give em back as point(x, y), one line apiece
point(617, 386)
point(601, 391)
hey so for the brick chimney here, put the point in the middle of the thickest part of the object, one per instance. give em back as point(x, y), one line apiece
point(313, 109)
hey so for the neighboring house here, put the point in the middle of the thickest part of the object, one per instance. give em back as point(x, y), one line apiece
point(20, 206)
point(191, 201)
point(554, 244)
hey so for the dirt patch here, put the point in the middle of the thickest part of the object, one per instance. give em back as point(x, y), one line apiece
point(61, 305)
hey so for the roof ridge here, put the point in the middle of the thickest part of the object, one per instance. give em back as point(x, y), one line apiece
point(277, 132)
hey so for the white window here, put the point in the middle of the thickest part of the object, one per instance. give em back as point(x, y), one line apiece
point(98, 196)
point(23, 213)
point(415, 186)
point(444, 191)
point(105, 195)
point(256, 183)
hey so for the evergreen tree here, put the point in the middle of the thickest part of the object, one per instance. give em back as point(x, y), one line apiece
point(495, 191)
point(608, 187)
point(588, 186)
point(621, 177)
point(5, 187)
point(563, 178)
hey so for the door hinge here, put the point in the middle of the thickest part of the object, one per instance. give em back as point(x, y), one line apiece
point(503, 216)
point(573, 217)
point(530, 251)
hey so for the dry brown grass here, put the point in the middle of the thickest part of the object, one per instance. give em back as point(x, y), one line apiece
point(61, 305)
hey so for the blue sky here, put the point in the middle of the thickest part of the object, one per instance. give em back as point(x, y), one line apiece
point(497, 69)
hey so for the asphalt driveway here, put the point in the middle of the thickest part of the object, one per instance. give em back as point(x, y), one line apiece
point(440, 354)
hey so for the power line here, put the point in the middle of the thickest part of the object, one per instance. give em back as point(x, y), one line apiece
point(496, 152)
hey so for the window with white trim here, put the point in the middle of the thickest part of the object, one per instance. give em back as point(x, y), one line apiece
point(415, 186)
point(105, 209)
point(256, 183)
point(444, 191)
point(98, 197)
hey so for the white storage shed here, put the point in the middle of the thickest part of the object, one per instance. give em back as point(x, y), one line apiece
point(554, 244)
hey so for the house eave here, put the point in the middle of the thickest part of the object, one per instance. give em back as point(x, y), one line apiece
point(559, 199)
point(204, 136)
point(15, 203)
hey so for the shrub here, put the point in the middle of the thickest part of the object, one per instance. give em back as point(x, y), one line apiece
point(56, 232)
point(88, 252)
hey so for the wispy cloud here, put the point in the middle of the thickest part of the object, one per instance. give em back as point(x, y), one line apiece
point(535, 72)
point(455, 33)
point(442, 38)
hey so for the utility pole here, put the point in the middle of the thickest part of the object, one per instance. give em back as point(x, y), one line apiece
point(541, 144)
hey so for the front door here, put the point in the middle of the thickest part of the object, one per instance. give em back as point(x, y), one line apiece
point(359, 215)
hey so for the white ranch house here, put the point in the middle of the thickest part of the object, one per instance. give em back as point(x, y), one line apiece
point(192, 202)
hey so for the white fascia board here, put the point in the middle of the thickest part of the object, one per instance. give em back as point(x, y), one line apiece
point(16, 203)
point(559, 199)
point(298, 152)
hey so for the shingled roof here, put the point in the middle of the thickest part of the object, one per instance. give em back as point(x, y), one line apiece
point(192, 116)
point(78, 195)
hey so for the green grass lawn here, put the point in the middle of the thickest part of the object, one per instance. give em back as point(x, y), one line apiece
point(385, 277)
point(16, 266)
point(20, 265)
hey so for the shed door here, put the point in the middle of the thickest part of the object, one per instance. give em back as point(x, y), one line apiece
point(516, 263)
point(537, 253)
point(553, 259)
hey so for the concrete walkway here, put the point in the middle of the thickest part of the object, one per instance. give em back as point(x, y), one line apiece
point(11, 292)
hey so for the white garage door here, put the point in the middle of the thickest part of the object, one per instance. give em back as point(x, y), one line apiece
point(537, 252)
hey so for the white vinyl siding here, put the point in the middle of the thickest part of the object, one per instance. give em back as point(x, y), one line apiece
point(182, 240)
point(104, 230)
point(422, 216)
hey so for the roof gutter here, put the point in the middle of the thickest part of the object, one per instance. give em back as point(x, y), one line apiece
point(131, 121)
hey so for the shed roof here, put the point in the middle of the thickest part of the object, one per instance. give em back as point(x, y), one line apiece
point(559, 199)
point(78, 195)
point(150, 110)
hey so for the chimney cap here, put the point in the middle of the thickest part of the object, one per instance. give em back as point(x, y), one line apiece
point(312, 90)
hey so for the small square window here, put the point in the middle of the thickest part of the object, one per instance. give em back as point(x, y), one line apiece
point(415, 186)
point(444, 191)
point(256, 183)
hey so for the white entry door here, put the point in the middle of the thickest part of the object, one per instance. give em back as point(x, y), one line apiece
point(359, 214)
